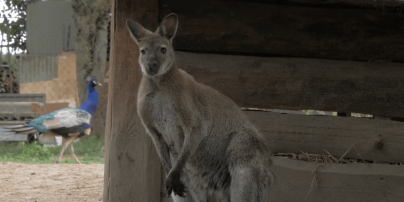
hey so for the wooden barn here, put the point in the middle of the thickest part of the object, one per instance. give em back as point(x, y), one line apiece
point(331, 55)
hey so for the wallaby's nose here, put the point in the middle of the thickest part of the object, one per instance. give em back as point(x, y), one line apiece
point(153, 66)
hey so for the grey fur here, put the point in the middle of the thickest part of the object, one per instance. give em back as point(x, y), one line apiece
point(207, 144)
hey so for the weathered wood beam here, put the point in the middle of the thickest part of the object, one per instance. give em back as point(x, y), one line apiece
point(296, 83)
point(335, 182)
point(241, 27)
point(374, 140)
point(132, 167)
point(335, 3)
point(108, 117)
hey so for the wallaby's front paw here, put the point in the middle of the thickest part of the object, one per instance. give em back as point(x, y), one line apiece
point(174, 184)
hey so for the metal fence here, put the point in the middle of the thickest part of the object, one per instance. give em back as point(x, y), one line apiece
point(47, 77)
point(53, 79)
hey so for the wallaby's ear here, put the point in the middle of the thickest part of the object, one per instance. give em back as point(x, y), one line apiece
point(168, 26)
point(137, 31)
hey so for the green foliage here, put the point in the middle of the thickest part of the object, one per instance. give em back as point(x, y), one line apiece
point(15, 25)
point(92, 146)
point(14, 65)
point(35, 151)
point(314, 112)
point(88, 150)
point(307, 112)
point(24, 152)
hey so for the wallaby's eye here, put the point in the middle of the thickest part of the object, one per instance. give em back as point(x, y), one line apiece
point(163, 50)
point(143, 52)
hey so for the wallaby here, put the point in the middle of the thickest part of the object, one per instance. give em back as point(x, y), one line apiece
point(209, 148)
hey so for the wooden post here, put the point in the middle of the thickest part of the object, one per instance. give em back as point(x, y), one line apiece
point(132, 167)
point(10, 70)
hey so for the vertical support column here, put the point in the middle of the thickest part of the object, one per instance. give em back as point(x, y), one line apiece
point(10, 70)
point(19, 75)
point(1, 49)
point(132, 167)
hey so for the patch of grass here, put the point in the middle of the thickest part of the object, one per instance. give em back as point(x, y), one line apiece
point(89, 150)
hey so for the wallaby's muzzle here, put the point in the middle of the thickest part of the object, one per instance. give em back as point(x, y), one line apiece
point(152, 68)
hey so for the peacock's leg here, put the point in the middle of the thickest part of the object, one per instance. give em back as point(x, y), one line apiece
point(68, 142)
point(72, 153)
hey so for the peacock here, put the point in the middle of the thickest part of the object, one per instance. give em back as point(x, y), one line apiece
point(70, 123)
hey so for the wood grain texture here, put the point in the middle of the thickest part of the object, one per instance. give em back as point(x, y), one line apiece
point(297, 83)
point(279, 29)
point(289, 133)
point(108, 117)
point(333, 3)
point(166, 199)
point(336, 182)
point(133, 167)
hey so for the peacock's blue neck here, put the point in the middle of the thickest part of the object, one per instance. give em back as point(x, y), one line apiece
point(91, 103)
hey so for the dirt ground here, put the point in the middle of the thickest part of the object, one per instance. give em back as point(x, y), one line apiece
point(51, 182)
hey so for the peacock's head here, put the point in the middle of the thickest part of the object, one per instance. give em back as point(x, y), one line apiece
point(92, 83)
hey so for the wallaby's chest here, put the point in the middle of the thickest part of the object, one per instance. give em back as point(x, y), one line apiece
point(165, 115)
point(163, 110)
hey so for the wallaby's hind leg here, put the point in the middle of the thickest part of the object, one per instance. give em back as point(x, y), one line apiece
point(249, 184)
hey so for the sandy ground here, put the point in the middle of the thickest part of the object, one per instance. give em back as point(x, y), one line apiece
point(51, 182)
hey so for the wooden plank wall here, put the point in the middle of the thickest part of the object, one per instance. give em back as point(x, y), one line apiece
point(299, 83)
point(290, 133)
point(289, 33)
point(335, 182)
point(287, 29)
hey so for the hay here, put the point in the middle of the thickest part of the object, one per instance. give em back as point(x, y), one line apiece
point(315, 180)
point(321, 158)
point(329, 158)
